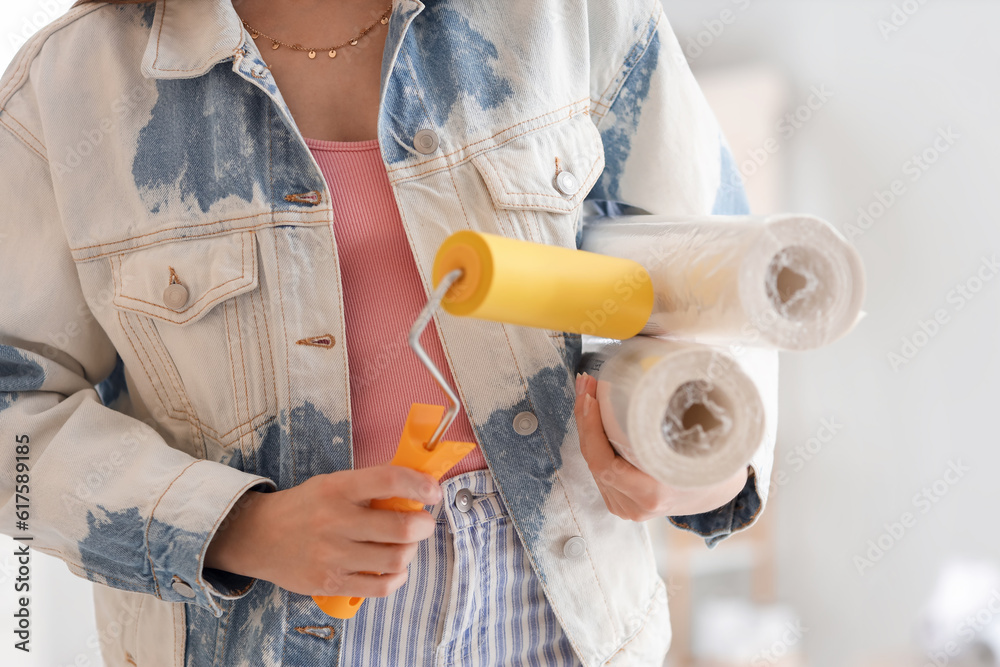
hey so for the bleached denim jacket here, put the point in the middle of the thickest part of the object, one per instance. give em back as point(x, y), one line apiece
point(145, 145)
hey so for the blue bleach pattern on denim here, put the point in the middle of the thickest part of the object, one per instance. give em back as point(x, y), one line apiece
point(145, 145)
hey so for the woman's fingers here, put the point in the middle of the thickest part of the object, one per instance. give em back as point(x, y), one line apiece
point(594, 444)
point(372, 557)
point(377, 525)
point(364, 585)
point(389, 481)
point(627, 491)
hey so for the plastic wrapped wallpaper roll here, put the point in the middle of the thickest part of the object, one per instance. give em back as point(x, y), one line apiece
point(682, 412)
point(788, 282)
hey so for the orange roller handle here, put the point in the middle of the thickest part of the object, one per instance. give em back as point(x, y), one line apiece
point(412, 453)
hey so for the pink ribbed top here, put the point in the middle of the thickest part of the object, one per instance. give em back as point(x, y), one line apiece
point(382, 297)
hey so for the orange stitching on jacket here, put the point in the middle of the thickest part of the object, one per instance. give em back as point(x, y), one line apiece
point(214, 222)
point(205, 297)
point(487, 158)
point(145, 325)
point(495, 134)
point(152, 514)
point(26, 62)
point(288, 378)
point(458, 196)
point(310, 630)
point(270, 349)
point(167, 409)
point(222, 517)
point(207, 301)
point(215, 433)
point(326, 341)
point(239, 334)
point(40, 142)
point(188, 414)
point(246, 387)
point(23, 140)
point(232, 374)
point(313, 197)
point(256, 326)
point(487, 150)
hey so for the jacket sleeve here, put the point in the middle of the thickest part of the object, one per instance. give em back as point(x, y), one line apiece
point(83, 482)
point(665, 154)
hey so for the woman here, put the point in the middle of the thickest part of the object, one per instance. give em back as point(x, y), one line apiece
point(226, 206)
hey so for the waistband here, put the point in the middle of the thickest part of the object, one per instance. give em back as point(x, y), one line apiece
point(486, 504)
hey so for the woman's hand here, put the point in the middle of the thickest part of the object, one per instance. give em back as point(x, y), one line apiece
point(322, 538)
point(628, 492)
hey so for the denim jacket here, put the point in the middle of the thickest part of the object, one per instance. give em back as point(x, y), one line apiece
point(146, 145)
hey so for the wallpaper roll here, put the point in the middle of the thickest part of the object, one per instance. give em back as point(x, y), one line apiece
point(543, 286)
point(682, 412)
point(788, 282)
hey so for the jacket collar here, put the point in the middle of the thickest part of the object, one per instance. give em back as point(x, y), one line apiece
point(189, 37)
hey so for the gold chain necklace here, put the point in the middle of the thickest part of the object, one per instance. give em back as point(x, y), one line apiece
point(332, 50)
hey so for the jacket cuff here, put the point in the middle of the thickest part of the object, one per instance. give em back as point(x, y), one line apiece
point(738, 514)
point(183, 522)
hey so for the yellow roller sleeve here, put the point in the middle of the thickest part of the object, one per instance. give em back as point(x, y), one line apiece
point(544, 286)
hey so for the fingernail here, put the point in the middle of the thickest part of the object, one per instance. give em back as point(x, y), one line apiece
point(577, 384)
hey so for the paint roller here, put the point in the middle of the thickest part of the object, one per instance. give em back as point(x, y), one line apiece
point(506, 280)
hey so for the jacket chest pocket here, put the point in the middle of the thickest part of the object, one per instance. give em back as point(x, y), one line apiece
point(538, 181)
point(194, 313)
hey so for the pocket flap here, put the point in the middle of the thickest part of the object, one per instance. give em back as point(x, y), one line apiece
point(522, 173)
point(181, 280)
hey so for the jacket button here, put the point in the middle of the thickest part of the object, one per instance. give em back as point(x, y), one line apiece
point(425, 141)
point(575, 547)
point(175, 296)
point(567, 183)
point(181, 588)
point(525, 423)
point(463, 500)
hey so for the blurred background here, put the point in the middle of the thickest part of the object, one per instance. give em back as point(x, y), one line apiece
point(879, 546)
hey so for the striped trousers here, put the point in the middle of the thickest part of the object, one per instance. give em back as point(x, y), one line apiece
point(470, 598)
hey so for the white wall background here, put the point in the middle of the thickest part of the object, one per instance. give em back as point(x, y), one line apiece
point(900, 428)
